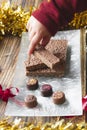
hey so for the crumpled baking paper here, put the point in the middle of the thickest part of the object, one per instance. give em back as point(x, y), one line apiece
point(70, 84)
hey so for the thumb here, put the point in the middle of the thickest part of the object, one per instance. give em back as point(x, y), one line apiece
point(45, 41)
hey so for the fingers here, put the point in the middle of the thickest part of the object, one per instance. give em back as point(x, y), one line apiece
point(37, 34)
point(35, 40)
point(31, 35)
point(45, 40)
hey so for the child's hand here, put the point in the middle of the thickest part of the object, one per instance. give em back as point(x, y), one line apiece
point(37, 34)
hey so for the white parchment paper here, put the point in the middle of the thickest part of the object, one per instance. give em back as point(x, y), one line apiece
point(70, 84)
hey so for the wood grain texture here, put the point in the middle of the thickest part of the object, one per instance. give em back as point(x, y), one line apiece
point(9, 48)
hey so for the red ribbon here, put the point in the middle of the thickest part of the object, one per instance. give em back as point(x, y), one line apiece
point(6, 94)
point(84, 103)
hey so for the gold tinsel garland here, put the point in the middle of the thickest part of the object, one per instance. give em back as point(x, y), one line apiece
point(19, 124)
point(79, 20)
point(13, 19)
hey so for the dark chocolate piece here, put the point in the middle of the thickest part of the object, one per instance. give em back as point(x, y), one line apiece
point(30, 101)
point(58, 97)
point(46, 90)
point(32, 84)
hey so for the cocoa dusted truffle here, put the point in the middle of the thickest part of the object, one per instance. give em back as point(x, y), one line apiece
point(46, 90)
point(32, 84)
point(31, 101)
point(58, 97)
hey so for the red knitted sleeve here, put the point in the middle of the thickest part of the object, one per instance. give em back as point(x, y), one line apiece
point(57, 13)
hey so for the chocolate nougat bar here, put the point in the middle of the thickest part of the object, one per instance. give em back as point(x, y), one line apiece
point(48, 72)
point(47, 58)
point(57, 47)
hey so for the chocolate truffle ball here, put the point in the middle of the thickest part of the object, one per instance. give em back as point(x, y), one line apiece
point(32, 84)
point(46, 90)
point(30, 101)
point(58, 97)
